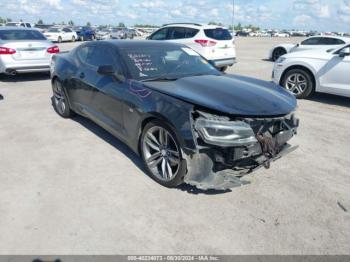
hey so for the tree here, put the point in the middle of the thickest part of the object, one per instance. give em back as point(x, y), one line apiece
point(121, 24)
point(71, 23)
point(238, 27)
point(88, 24)
point(40, 22)
point(215, 23)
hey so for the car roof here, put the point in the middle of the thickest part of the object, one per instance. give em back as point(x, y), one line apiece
point(344, 38)
point(138, 43)
point(193, 25)
point(15, 28)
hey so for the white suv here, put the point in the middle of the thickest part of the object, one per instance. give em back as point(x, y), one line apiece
point(214, 43)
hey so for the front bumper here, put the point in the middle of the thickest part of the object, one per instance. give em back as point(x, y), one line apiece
point(219, 63)
point(214, 167)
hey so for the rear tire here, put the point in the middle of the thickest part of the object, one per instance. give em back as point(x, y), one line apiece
point(161, 153)
point(73, 39)
point(277, 53)
point(60, 101)
point(300, 82)
point(59, 40)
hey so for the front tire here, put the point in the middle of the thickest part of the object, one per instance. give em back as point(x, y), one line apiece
point(60, 101)
point(299, 82)
point(277, 53)
point(223, 69)
point(161, 153)
point(59, 40)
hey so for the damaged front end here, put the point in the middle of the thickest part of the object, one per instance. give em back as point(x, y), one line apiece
point(230, 148)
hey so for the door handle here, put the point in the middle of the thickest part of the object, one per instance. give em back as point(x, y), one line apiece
point(82, 75)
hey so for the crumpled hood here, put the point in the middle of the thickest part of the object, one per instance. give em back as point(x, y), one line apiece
point(231, 94)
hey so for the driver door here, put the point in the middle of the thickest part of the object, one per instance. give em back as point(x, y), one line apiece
point(334, 76)
point(107, 93)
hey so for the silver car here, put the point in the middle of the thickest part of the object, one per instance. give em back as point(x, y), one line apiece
point(24, 50)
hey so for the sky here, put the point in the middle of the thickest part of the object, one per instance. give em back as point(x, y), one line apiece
point(320, 15)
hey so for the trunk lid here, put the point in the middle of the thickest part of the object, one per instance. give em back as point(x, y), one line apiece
point(28, 50)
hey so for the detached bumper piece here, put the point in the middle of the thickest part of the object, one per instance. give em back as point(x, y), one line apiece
point(221, 168)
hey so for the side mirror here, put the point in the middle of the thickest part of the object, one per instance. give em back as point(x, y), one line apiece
point(345, 52)
point(106, 70)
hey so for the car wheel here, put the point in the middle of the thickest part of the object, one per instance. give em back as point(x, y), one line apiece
point(223, 69)
point(60, 101)
point(59, 40)
point(161, 153)
point(299, 82)
point(93, 38)
point(277, 53)
point(73, 39)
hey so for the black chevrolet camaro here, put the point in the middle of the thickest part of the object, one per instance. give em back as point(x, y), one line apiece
point(189, 122)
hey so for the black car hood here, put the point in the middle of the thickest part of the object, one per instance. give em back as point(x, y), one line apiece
point(231, 94)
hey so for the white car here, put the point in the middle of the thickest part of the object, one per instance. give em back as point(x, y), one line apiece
point(19, 24)
point(304, 73)
point(281, 35)
point(314, 42)
point(24, 50)
point(214, 43)
point(61, 34)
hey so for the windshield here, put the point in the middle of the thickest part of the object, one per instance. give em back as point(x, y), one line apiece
point(21, 35)
point(165, 62)
point(54, 30)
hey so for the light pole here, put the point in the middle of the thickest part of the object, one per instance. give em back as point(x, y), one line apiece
point(233, 15)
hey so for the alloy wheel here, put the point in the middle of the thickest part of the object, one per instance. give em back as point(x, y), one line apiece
point(161, 153)
point(296, 83)
point(59, 98)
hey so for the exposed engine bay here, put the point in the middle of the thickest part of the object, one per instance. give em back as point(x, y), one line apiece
point(229, 148)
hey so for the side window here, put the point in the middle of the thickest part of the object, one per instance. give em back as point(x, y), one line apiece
point(102, 55)
point(332, 41)
point(176, 33)
point(83, 53)
point(28, 25)
point(23, 25)
point(160, 34)
point(312, 41)
point(191, 32)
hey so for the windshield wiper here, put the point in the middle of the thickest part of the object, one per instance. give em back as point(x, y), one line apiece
point(160, 79)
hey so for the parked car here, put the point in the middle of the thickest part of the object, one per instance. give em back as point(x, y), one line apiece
point(304, 73)
point(24, 50)
point(59, 35)
point(242, 33)
point(214, 43)
point(281, 34)
point(42, 28)
point(84, 33)
point(104, 34)
point(314, 42)
point(19, 24)
point(189, 122)
point(117, 33)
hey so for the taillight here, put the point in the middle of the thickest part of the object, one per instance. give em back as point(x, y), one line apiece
point(7, 51)
point(205, 43)
point(53, 50)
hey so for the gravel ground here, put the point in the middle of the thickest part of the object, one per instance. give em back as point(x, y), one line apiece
point(68, 187)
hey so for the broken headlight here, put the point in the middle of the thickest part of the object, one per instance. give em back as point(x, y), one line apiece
point(225, 133)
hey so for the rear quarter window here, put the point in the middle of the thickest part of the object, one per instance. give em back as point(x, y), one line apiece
point(218, 34)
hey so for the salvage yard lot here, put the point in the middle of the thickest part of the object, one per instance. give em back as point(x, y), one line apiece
point(68, 187)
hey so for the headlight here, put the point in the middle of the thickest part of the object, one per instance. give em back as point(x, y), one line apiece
point(225, 133)
point(280, 60)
